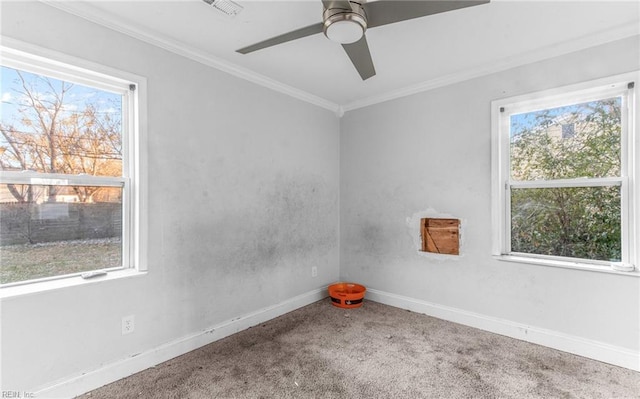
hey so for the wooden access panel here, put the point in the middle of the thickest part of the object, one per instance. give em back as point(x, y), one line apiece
point(440, 236)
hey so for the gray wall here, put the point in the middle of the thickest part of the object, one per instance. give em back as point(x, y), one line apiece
point(430, 154)
point(243, 200)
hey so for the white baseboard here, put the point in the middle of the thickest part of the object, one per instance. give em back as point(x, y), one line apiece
point(88, 381)
point(596, 350)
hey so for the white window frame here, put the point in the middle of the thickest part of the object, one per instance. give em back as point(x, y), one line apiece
point(26, 57)
point(625, 85)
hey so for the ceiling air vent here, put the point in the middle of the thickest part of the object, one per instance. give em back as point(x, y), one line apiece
point(228, 7)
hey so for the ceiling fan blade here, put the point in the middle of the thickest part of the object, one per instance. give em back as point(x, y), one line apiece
point(385, 12)
point(360, 56)
point(286, 37)
point(344, 4)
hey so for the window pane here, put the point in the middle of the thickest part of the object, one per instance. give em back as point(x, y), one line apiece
point(51, 126)
point(49, 231)
point(577, 222)
point(580, 140)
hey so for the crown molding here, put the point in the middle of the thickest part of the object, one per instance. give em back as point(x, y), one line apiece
point(90, 13)
point(541, 54)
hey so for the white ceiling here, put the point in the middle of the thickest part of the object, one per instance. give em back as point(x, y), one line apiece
point(409, 56)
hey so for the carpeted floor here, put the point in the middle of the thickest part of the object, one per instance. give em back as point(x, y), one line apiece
point(375, 351)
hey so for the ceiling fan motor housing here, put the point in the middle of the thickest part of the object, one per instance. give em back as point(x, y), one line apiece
point(343, 25)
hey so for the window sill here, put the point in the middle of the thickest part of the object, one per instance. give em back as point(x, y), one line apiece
point(565, 265)
point(74, 281)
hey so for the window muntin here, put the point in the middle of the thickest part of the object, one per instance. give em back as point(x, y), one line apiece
point(66, 159)
point(563, 175)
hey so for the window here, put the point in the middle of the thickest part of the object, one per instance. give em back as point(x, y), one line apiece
point(568, 130)
point(68, 181)
point(563, 176)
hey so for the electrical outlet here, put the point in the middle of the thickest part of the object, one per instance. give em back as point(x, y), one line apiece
point(314, 271)
point(128, 324)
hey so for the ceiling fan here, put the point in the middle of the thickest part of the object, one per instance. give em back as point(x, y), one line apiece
point(346, 22)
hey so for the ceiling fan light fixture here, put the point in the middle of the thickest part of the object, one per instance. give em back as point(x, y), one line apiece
point(345, 26)
point(344, 31)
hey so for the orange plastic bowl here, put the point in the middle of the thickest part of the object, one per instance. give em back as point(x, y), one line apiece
point(347, 295)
